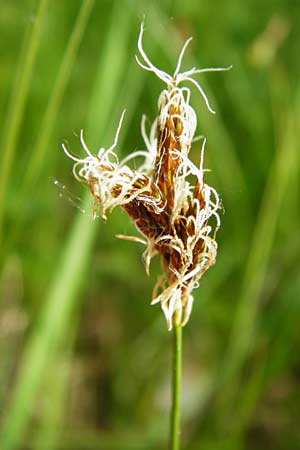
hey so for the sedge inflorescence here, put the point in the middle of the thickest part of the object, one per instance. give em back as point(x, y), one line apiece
point(176, 218)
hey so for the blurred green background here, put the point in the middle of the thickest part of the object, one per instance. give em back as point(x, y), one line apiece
point(85, 361)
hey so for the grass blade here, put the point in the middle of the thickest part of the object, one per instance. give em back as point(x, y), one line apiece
point(17, 104)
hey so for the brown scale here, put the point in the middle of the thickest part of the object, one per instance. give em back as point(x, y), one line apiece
point(199, 247)
point(184, 229)
point(142, 212)
point(143, 219)
point(166, 163)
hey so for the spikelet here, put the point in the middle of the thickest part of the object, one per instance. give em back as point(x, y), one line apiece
point(176, 220)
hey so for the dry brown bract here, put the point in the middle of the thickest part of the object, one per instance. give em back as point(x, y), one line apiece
point(177, 220)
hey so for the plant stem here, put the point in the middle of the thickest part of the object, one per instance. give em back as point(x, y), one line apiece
point(176, 388)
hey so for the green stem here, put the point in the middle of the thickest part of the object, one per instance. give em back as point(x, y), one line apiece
point(176, 388)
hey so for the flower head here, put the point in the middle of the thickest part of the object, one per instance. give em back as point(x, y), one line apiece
point(176, 219)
